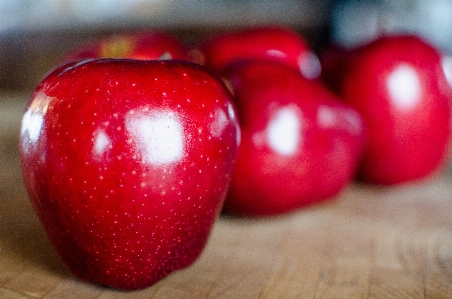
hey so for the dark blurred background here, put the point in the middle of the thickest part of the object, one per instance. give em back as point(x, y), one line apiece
point(34, 34)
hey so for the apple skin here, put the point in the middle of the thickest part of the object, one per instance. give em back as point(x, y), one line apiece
point(275, 43)
point(300, 144)
point(141, 45)
point(127, 164)
point(398, 84)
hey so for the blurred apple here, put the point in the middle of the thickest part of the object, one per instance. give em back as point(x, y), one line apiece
point(300, 144)
point(398, 84)
point(143, 45)
point(275, 43)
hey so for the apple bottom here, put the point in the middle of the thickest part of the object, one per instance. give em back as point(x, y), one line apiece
point(393, 166)
point(115, 266)
point(275, 205)
point(405, 150)
point(265, 184)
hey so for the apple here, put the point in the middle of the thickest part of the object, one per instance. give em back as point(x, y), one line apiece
point(276, 43)
point(398, 84)
point(300, 144)
point(127, 164)
point(142, 45)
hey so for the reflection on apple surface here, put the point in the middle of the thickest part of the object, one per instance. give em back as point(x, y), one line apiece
point(404, 87)
point(33, 120)
point(158, 134)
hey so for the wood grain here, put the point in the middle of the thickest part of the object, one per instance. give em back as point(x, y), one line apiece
point(369, 242)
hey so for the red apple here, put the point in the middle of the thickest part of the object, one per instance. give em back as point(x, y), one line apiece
point(300, 144)
point(144, 45)
point(398, 84)
point(274, 43)
point(127, 164)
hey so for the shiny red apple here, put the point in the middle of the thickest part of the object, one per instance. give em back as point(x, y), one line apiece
point(398, 84)
point(142, 45)
point(275, 43)
point(300, 144)
point(127, 164)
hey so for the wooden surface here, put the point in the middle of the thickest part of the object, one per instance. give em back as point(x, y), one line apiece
point(369, 242)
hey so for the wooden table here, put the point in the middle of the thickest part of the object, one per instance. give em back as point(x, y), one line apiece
point(369, 242)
